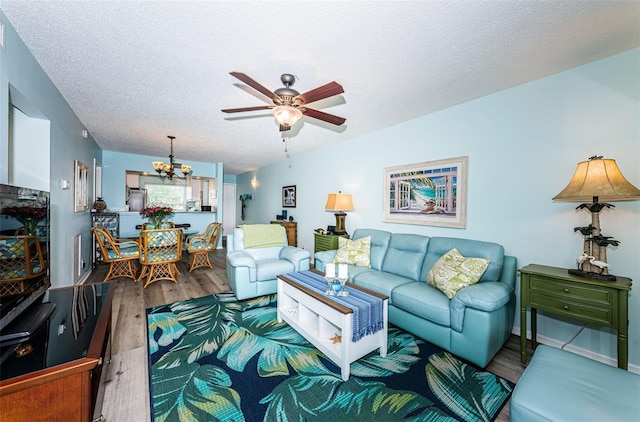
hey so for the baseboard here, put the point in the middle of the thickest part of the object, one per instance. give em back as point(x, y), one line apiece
point(83, 278)
point(577, 350)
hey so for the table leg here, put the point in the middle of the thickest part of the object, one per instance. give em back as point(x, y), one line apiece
point(623, 329)
point(523, 335)
point(534, 328)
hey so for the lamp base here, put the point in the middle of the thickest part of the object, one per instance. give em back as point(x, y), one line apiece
point(340, 224)
point(593, 276)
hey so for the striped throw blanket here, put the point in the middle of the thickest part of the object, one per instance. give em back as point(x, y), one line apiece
point(367, 309)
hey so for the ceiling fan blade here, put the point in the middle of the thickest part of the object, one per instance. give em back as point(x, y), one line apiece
point(321, 92)
point(321, 115)
point(241, 109)
point(255, 85)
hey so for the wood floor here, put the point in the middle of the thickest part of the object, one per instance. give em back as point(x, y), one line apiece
point(125, 379)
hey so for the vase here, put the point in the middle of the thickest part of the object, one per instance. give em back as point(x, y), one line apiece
point(99, 205)
point(157, 221)
point(30, 225)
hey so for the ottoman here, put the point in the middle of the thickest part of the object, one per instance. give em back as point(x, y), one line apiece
point(562, 386)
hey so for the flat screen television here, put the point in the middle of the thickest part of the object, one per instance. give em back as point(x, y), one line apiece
point(24, 249)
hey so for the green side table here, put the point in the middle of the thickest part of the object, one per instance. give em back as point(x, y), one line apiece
point(555, 291)
point(326, 242)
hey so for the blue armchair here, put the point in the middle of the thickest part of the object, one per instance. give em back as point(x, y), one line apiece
point(257, 255)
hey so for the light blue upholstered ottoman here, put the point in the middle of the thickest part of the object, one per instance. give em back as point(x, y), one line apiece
point(562, 386)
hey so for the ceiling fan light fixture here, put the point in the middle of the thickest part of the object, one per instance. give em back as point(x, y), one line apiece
point(286, 115)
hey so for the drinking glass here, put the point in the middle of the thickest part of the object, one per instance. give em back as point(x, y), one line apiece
point(343, 291)
point(329, 291)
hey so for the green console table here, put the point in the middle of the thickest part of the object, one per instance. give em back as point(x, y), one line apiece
point(326, 242)
point(555, 291)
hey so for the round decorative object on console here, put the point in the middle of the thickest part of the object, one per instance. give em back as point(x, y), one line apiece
point(99, 205)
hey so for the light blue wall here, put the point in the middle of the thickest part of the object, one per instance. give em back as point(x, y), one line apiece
point(24, 83)
point(523, 146)
point(114, 167)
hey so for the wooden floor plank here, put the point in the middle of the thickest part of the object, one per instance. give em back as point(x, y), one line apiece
point(126, 386)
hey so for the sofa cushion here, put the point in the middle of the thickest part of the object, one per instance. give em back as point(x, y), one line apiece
point(271, 268)
point(405, 255)
point(380, 282)
point(453, 272)
point(558, 385)
point(424, 301)
point(379, 244)
point(355, 252)
point(439, 246)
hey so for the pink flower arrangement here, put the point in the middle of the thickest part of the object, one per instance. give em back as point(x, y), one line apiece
point(25, 212)
point(28, 216)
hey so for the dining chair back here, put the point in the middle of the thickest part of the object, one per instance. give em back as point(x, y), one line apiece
point(165, 225)
point(22, 264)
point(160, 250)
point(120, 254)
point(200, 245)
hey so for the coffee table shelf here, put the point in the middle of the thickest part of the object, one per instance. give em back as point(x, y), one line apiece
point(322, 321)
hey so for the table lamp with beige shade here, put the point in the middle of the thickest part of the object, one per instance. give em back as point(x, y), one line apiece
point(339, 202)
point(596, 180)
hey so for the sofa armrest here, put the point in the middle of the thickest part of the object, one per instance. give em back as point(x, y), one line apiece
point(294, 255)
point(322, 258)
point(486, 296)
point(509, 270)
point(240, 259)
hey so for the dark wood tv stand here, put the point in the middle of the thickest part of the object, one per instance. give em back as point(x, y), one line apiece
point(68, 389)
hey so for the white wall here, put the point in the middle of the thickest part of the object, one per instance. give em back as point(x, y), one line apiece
point(523, 146)
point(28, 134)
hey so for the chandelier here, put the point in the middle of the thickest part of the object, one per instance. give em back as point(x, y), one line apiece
point(168, 170)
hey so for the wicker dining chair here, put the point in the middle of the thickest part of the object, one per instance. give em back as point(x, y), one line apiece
point(200, 245)
point(165, 225)
point(160, 249)
point(121, 254)
point(22, 264)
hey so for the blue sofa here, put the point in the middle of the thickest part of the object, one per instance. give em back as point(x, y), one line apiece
point(473, 325)
point(253, 271)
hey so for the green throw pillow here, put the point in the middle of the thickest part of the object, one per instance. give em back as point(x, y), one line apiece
point(453, 271)
point(356, 252)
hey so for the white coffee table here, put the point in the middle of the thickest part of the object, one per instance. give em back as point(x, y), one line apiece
point(327, 324)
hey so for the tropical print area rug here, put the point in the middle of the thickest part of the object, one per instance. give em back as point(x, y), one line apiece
point(217, 359)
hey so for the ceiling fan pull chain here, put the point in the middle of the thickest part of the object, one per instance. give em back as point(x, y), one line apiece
point(286, 142)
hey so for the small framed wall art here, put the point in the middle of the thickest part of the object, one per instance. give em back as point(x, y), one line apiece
point(81, 195)
point(289, 196)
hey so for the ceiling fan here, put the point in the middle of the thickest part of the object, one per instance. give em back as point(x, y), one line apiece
point(289, 105)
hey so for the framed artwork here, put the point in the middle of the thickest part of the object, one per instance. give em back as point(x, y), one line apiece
point(81, 194)
point(289, 196)
point(433, 193)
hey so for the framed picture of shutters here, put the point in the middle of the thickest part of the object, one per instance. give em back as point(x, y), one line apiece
point(432, 193)
point(80, 195)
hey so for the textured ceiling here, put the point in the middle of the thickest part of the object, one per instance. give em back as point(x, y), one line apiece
point(137, 71)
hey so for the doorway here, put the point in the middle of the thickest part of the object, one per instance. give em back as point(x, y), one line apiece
point(228, 211)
